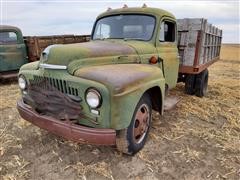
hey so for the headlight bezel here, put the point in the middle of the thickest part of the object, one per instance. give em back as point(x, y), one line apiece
point(97, 94)
point(22, 82)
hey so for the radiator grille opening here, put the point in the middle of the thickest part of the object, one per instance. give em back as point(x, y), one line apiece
point(59, 84)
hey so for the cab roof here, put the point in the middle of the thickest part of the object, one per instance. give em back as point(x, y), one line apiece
point(10, 28)
point(138, 10)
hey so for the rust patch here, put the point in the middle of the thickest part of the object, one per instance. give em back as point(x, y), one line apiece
point(107, 48)
point(197, 69)
point(118, 76)
point(67, 130)
point(141, 123)
point(78, 53)
point(197, 53)
point(47, 100)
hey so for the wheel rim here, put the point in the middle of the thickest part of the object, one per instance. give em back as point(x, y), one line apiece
point(141, 123)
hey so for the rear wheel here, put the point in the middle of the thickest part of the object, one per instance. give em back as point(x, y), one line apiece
point(132, 139)
point(201, 83)
point(190, 84)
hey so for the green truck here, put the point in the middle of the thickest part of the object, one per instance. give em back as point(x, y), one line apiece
point(103, 91)
point(17, 50)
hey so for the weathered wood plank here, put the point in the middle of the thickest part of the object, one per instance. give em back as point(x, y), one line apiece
point(209, 44)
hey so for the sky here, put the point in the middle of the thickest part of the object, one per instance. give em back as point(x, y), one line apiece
point(57, 17)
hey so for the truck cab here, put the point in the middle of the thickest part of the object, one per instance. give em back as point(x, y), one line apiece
point(152, 33)
point(12, 49)
point(104, 91)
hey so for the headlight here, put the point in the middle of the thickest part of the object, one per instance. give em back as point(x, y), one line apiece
point(22, 82)
point(93, 98)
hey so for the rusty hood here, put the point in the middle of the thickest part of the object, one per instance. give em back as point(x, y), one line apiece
point(66, 54)
point(121, 77)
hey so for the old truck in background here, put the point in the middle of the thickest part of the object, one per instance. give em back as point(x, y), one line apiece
point(103, 91)
point(16, 50)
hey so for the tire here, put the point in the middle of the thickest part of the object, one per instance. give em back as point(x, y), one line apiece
point(132, 139)
point(202, 83)
point(190, 84)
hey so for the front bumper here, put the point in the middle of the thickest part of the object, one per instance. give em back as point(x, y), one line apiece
point(67, 129)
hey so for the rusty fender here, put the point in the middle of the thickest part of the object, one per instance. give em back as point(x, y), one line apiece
point(126, 84)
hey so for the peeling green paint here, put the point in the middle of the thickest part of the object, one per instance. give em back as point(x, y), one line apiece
point(118, 69)
point(12, 54)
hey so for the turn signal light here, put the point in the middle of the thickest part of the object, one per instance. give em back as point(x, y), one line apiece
point(153, 60)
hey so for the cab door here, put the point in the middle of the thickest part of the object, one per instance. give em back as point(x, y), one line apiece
point(167, 50)
point(12, 50)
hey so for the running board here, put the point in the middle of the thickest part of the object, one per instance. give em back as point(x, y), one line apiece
point(9, 75)
point(170, 102)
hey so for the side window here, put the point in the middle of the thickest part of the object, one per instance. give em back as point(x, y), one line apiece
point(103, 31)
point(167, 32)
point(8, 38)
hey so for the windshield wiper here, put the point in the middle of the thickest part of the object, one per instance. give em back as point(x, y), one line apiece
point(106, 38)
point(138, 39)
point(125, 39)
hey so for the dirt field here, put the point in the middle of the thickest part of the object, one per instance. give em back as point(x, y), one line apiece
point(200, 139)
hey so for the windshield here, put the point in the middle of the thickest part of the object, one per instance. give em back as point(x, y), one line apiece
point(139, 27)
point(8, 38)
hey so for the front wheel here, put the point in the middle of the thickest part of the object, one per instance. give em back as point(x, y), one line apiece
point(132, 139)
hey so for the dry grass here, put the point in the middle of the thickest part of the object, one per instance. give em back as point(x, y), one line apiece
point(13, 167)
point(216, 117)
point(200, 139)
point(101, 168)
point(230, 52)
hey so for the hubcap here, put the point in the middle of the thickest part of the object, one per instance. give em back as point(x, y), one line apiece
point(141, 123)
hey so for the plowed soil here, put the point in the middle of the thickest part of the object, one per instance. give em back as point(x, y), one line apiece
point(200, 139)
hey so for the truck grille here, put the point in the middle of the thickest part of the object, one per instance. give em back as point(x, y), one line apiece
point(53, 97)
point(48, 100)
point(59, 84)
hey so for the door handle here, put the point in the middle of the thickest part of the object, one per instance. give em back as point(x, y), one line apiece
point(19, 46)
point(160, 60)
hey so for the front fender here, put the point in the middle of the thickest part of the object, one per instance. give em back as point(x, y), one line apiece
point(126, 84)
point(124, 104)
point(30, 66)
point(121, 78)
